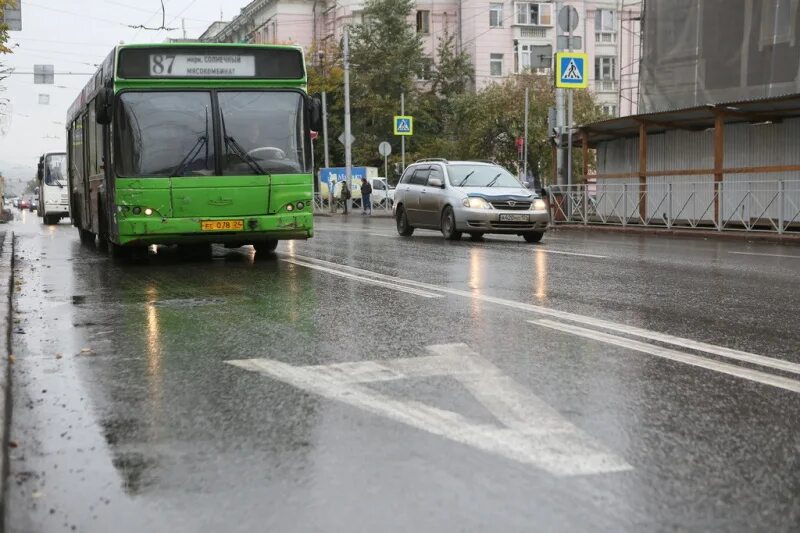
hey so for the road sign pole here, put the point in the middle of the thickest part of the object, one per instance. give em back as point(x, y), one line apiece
point(525, 139)
point(569, 109)
point(559, 111)
point(348, 156)
point(403, 139)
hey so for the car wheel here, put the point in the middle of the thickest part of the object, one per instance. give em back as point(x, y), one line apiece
point(532, 236)
point(449, 225)
point(403, 227)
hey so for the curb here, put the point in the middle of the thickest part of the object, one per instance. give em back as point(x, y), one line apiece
point(790, 239)
point(6, 301)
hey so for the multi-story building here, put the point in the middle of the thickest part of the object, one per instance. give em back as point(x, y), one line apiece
point(503, 38)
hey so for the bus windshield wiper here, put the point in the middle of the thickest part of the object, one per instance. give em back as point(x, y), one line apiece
point(462, 182)
point(494, 180)
point(230, 142)
point(198, 145)
point(201, 142)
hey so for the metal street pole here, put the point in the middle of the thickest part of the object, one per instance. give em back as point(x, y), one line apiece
point(348, 156)
point(331, 198)
point(403, 137)
point(325, 128)
point(559, 110)
point(525, 139)
point(569, 108)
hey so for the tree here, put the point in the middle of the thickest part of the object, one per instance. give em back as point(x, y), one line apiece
point(386, 57)
point(453, 72)
point(4, 27)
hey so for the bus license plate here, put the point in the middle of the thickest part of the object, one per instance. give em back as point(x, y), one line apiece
point(221, 225)
point(515, 218)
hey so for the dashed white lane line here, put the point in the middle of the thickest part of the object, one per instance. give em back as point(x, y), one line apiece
point(766, 255)
point(674, 355)
point(562, 252)
point(387, 284)
point(729, 353)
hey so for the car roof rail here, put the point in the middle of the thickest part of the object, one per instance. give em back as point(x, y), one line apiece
point(484, 161)
point(432, 159)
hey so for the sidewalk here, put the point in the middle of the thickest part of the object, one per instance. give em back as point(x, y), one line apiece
point(376, 213)
point(6, 294)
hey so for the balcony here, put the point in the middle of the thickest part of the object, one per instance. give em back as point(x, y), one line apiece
point(533, 32)
point(606, 86)
point(605, 38)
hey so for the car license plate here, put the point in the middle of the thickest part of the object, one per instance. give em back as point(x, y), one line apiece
point(515, 218)
point(221, 225)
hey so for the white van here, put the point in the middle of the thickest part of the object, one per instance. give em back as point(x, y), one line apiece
point(53, 189)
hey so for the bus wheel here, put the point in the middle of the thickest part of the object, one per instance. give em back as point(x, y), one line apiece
point(265, 247)
point(86, 236)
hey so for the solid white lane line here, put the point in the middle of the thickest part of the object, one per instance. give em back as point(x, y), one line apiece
point(533, 432)
point(674, 355)
point(386, 284)
point(549, 251)
point(766, 255)
point(729, 353)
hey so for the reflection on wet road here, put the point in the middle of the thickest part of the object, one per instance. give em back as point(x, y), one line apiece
point(361, 381)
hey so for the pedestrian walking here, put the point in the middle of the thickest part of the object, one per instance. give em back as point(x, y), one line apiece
point(366, 197)
point(345, 195)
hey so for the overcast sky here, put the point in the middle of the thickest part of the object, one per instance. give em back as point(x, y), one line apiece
point(75, 35)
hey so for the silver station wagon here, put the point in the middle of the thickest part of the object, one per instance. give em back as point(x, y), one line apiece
point(459, 197)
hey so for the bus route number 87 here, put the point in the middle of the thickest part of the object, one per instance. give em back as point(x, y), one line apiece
point(161, 64)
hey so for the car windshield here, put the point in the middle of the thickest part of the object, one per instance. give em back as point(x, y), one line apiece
point(164, 134)
point(481, 176)
point(256, 136)
point(55, 169)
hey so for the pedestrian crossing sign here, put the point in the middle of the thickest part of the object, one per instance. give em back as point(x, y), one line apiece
point(571, 70)
point(403, 125)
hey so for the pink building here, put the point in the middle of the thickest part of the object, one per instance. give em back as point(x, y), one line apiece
point(503, 38)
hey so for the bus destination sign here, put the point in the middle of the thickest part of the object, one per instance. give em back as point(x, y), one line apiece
point(202, 65)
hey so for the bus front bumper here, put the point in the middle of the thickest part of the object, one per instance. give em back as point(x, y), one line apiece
point(142, 230)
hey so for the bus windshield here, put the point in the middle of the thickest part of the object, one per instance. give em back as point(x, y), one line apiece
point(255, 133)
point(164, 134)
point(172, 133)
point(55, 170)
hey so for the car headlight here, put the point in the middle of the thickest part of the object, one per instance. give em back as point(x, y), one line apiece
point(539, 205)
point(476, 203)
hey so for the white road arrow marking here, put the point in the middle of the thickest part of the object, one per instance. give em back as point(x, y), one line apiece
point(533, 433)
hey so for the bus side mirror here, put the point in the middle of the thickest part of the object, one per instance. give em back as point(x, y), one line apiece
point(315, 114)
point(39, 171)
point(104, 105)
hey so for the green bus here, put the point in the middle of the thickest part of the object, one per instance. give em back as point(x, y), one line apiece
point(193, 144)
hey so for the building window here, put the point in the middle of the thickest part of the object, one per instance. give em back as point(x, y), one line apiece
point(424, 22)
point(496, 15)
point(495, 64)
point(533, 58)
point(610, 110)
point(604, 68)
point(427, 69)
point(605, 26)
point(605, 20)
point(533, 14)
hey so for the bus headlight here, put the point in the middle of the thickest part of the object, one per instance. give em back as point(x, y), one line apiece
point(289, 207)
point(137, 210)
point(148, 211)
point(300, 205)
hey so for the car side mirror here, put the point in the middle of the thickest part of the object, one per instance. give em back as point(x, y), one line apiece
point(104, 104)
point(315, 113)
point(435, 182)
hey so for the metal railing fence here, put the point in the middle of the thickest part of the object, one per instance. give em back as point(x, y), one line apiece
point(764, 205)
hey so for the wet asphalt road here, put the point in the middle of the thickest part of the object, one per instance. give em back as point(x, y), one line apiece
point(361, 381)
